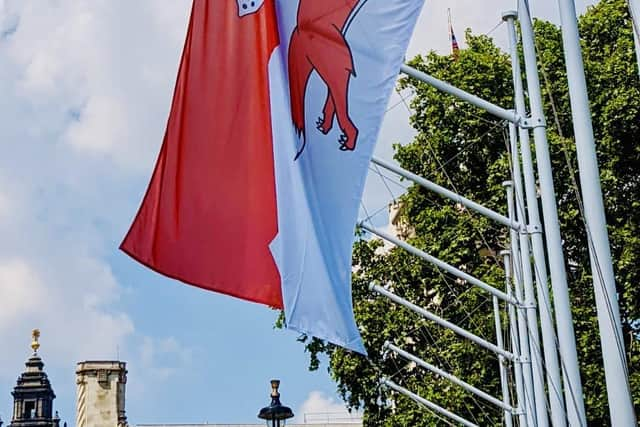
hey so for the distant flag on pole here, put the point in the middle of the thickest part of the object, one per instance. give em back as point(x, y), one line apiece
point(455, 48)
point(274, 119)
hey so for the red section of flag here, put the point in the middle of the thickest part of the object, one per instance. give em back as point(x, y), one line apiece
point(210, 210)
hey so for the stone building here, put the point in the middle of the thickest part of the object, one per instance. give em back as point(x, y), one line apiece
point(33, 395)
point(101, 394)
point(101, 388)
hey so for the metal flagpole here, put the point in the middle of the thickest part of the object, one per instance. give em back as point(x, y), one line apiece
point(508, 420)
point(525, 354)
point(615, 366)
point(634, 10)
point(537, 368)
point(564, 322)
point(515, 345)
point(556, 400)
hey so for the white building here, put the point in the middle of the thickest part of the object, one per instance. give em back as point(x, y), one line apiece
point(101, 394)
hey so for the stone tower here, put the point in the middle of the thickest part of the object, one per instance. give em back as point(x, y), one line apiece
point(33, 396)
point(101, 394)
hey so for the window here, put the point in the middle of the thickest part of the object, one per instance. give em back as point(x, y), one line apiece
point(29, 409)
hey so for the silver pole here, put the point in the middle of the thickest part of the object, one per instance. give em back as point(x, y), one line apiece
point(636, 41)
point(525, 351)
point(501, 219)
point(564, 322)
point(621, 408)
point(438, 409)
point(537, 369)
point(515, 345)
point(440, 321)
point(440, 264)
point(634, 11)
point(500, 112)
point(556, 400)
point(508, 421)
point(465, 385)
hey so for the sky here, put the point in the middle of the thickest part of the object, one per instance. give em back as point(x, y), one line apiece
point(85, 88)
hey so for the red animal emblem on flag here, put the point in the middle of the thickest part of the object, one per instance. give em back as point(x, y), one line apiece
point(318, 43)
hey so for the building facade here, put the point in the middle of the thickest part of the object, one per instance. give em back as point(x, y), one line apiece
point(101, 388)
point(101, 394)
point(354, 424)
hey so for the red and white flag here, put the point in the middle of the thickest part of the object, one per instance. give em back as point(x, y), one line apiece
point(275, 115)
point(455, 48)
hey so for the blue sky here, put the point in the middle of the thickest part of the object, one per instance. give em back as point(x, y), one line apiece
point(85, 87)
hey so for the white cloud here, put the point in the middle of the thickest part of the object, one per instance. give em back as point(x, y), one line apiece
point(21, 293)
point(70, 307)
point(5, 205)
point(320, 409)
point(102, 122)
point(160, 358)
point(91, 61)
point(86, 86)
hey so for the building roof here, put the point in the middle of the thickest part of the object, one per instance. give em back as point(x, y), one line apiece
point(352, 424)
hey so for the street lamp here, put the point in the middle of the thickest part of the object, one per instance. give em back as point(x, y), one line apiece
point(275, 414)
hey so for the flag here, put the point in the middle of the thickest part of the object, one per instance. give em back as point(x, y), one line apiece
point(275, 115)
point(455, 49)
point(210, 210)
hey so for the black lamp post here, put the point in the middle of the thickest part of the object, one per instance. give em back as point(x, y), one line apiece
point(276, 415)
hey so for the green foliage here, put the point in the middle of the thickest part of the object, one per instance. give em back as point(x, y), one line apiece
point(463, 147)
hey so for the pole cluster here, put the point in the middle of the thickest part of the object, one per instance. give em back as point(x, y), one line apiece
point(542, 359)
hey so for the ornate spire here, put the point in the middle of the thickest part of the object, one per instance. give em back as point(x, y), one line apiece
point(35, 345)
point(33, 396)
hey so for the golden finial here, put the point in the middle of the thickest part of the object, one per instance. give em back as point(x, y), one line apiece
point(35, 345)
point(275, 384)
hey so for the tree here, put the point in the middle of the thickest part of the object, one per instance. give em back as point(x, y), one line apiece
point(460, 146)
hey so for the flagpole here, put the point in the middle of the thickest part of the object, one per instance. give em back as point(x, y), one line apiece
point(504, 385)
point(529, 403)
point(621, 408)
point(564, 322)
point(556, 401)
point(515, 342)
point(535, 348)
point(634, 11)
